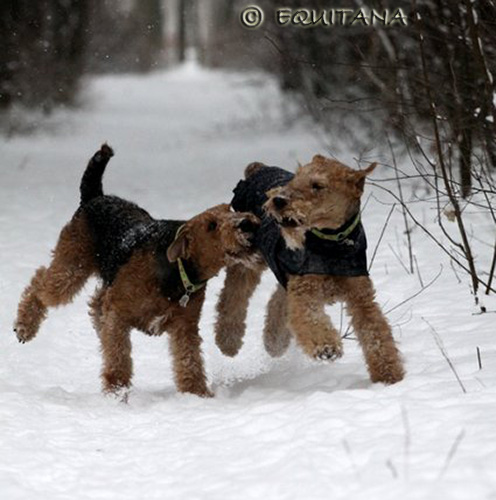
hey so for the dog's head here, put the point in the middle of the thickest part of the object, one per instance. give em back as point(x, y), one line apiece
point(215, 238)
point(323, 194)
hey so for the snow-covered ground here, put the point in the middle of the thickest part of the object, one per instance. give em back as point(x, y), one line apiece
point(285, 429)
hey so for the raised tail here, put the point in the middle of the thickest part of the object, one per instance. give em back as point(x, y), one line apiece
point(91, 183)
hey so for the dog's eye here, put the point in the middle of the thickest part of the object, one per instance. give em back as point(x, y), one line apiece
point(317, 187)
point(212, 226)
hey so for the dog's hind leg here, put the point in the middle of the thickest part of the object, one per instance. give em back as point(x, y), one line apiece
point(96, 309)
point(72, 264)
point(115, 341)
point(277, 335)
point(232, 307)
point(31, 311)
point(373, 331)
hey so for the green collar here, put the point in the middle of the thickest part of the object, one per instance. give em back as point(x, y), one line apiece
point(342, 234)
point(187, 284)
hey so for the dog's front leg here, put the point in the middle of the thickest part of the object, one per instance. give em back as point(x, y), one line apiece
point(186, 353)
point(310, 324)
point(373, 331)
point(239, 285)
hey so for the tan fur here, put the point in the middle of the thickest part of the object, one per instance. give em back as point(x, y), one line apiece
point(324, 194)
point(96, 309)
point(277, 335)
point(232, 307)
point(134, 300)
point(312, 327)
point(72, 264)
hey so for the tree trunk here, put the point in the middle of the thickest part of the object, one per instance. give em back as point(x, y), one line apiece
point(149, 33)
point(465, 148)
point(182, 18)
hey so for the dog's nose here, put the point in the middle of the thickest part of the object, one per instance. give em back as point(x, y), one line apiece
point(248, 226)
point(279, 202)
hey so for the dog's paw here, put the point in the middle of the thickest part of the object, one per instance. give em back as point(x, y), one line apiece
point(328, 352)
point(229, 344)
point(24, 333)
point(207, 393)
point(231, 350)
point(199, 390)
point(119, 394)
point(202, 393)
point(388, 375)
point(277, 345)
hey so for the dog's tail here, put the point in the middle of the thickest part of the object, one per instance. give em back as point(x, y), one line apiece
point(91, 183)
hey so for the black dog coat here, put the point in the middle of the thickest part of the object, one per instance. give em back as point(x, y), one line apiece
point(346, 257)
point(119, 228)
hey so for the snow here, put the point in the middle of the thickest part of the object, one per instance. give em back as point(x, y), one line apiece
point(277, 429)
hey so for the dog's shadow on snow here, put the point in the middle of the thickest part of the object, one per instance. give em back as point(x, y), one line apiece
point(302, 379)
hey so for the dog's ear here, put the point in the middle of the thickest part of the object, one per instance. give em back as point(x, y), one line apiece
point(319, 159)
point(179, 248)
point(253, 168)
point(360, 176)
point(370, 169)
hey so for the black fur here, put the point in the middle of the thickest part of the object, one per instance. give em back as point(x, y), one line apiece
point(119, 228)
point(249, 194)
point(319, 256)
point(91, 183)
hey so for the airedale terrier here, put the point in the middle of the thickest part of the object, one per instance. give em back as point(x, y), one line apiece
point(153, 276)
point(312, 239)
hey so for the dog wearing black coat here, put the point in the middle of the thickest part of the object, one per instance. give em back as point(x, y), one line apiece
point(153, 275)
point(312, 239)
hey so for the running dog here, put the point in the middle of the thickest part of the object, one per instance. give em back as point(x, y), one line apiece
point(153, 275)
point(312, 238)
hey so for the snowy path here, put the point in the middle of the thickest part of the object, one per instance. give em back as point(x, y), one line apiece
point(285, 429)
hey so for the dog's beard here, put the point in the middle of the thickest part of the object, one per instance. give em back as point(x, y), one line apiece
point(245, 254)
point(292, 225)
point(289, 222)
point(294, 237)
point(252, 260)
point(245, 240)
point(287, 217)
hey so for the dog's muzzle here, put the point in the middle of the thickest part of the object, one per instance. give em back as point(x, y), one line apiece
point(247, 255)
point(249, 227)
point(277, 207)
